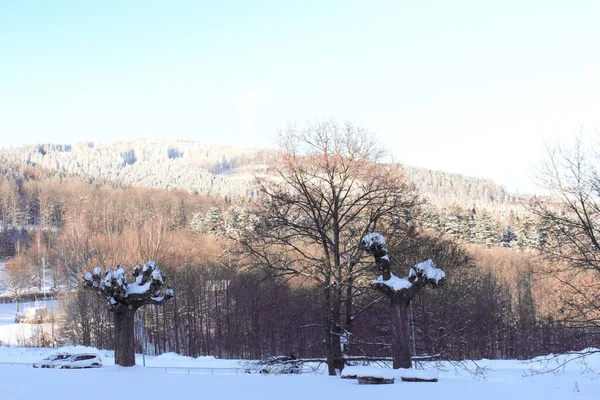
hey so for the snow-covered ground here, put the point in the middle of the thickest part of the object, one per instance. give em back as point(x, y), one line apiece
point(177, 377)
point(504, 380)
point(22, 334)
point(178, 380)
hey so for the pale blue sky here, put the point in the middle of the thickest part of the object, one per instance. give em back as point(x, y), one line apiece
point(474, 87)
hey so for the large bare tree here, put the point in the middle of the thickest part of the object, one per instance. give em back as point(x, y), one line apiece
point(570, 225)
point(328, 187)
point(18, 277)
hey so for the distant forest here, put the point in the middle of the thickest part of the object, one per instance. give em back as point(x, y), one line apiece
point(73, 207)
point(458, 205)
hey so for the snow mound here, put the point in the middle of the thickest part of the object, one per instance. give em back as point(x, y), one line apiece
point(358, 372)
point(388, 373)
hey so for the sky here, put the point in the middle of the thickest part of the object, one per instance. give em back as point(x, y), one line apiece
point(473, 87)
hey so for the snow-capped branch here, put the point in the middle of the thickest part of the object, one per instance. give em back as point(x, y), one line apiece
point(374, 243)
point(428, 271)
point(394, 282)
point(147, 288)
point(424, 273)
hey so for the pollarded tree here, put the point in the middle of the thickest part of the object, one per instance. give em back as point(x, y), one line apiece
point(124, 298)
point(330, 186)
point(400, 291)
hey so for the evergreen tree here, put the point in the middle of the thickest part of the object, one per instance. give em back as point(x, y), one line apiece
point(509, 237)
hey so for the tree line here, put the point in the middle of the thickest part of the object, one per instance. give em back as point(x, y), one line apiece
point(283, 272)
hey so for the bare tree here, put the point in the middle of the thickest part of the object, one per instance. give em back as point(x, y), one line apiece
point(329, 188)
point(124, 298)
point(18, 277)
point(570, 219)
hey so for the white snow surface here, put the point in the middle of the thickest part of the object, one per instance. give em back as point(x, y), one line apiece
point(134, 288)
point(172, 376)
point(171, 379)
point(394, 282)
point(12, 333)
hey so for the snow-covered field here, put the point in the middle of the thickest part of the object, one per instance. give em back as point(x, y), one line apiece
point(22, 334)
point(504, 380)
point(177, 377)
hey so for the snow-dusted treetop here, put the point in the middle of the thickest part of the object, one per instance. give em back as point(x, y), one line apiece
point(424, 272)
point(373, 239)
point(394, 282)
point(421, 274)
point(428, 271)
point(147, 288)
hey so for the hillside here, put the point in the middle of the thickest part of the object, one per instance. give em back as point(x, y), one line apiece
point(210, 169)
point(228, 172)
point(190, 166)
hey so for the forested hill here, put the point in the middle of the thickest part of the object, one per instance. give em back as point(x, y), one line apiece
point(191, 166)
point(214, 170)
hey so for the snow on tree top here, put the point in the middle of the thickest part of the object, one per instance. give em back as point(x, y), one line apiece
point(394, 282)
point(427, 270)
point(373, 238)
point(138, 289)
point(117, 277)
point(157, 275)
point(149, 279)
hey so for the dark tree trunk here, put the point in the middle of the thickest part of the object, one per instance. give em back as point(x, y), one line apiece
point(124, 336)
point(422, 274)
point(335, 360)
point(176, 326)
point(400, 333)
point(399, 308)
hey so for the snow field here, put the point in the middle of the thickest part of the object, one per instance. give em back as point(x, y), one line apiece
point(503, 380)
point(174, 377)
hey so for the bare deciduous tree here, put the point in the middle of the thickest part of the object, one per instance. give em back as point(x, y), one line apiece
point(329, 188)
point(18, 277)
point(570, 215)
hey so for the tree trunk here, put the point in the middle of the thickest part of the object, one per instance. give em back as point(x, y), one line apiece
point(400, 333)
point(335, 360)
point(124, 336)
